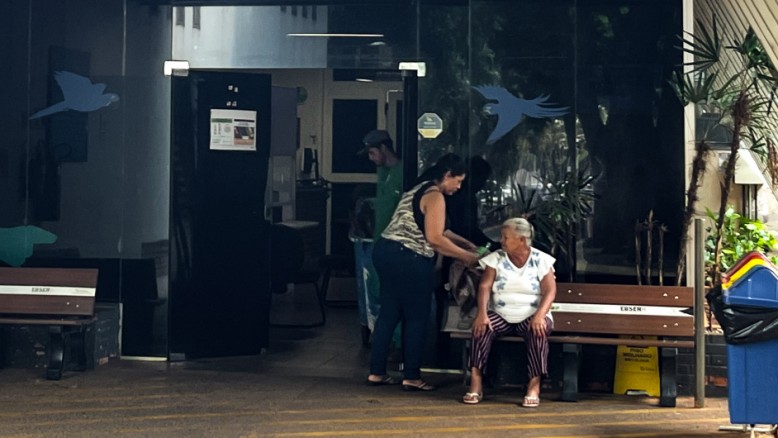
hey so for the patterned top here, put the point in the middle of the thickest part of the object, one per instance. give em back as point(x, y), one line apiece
point(516, 290)
point(403, 227)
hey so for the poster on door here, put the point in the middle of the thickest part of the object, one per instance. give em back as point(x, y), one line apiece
point(233, 130)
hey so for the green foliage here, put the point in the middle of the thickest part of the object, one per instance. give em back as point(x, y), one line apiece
point(735, 84)
point(706, 48)
point(740, 236)
point(562, 199)
point(755, 55)
point(713, 81)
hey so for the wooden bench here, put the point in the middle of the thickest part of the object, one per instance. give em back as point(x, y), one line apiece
point(62, 299)
point(600, 314)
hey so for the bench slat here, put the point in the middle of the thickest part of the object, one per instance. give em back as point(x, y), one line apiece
point(573, 339)
point(48, 321)
point(626, 294)
point(623, 324)
point(47, 305)
point(674, 343)
point(49, 277)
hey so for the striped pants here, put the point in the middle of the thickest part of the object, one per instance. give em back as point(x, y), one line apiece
point(537, 346)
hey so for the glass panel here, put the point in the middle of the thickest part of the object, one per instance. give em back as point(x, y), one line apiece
point(350, 118)
point(565, 99)
point(84, 162)
point(251, 37)
point(633, 132)
point(579, 90)
point(374, 36)
point(390, 36)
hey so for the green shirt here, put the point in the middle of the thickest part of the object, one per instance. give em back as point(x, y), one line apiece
point(389, 189)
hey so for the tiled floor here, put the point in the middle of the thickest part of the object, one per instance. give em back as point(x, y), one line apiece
point(311, 383)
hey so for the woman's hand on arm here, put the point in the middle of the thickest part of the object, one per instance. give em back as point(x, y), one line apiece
point(548, 295)
point(482, 323)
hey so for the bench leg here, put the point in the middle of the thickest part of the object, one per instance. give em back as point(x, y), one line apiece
point(56, 353)
point(2, 347)
point(572, 359)
point(669, 387)
point(78, 347)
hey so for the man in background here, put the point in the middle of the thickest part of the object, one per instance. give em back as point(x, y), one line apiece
point(379, 148)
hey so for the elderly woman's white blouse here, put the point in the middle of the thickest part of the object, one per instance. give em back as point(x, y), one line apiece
point(516, 290)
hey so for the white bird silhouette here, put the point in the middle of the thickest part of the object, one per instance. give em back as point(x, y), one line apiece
point(511, 110)
point(79, 94)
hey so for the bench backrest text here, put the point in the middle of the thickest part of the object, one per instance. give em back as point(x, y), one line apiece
point(623, 309)
point(48, 291)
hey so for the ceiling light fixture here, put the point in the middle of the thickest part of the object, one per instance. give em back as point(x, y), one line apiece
point(337, 35)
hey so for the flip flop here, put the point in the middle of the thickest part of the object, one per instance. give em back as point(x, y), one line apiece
point(531, 401)
point(472, 398)
point(424, 386)
point(385, 380)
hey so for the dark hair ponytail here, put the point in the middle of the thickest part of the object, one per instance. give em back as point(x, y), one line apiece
point(447, 163)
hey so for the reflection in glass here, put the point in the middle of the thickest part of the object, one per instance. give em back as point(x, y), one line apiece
point(589, 175)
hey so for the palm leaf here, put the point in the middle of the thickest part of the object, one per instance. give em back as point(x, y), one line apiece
point(754, 53)
point(694, 87)
point(705, 48)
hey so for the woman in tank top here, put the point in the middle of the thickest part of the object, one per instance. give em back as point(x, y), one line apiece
point(405, 261)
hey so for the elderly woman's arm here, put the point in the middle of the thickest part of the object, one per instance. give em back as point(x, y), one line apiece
point(433, 205)
point(482, 323)
point(548, 294)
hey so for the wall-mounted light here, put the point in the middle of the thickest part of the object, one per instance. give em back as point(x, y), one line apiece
point(176, 68)
point(420, 67)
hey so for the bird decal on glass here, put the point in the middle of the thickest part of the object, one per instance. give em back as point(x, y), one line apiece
point(79, 94)
point(18, 243)
point(511, 110)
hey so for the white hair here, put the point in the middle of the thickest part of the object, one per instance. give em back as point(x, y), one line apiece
point(521, 227)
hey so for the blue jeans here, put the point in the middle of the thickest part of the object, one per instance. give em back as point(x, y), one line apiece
point(363, 252)
point(407, 284)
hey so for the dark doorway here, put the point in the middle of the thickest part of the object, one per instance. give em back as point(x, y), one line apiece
point(219, 246)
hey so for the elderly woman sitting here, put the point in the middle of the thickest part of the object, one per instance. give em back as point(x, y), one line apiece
point(514, 298)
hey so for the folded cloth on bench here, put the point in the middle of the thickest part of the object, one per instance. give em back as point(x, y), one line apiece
point(463, 287)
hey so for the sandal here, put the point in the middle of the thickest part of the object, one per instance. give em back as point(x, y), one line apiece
point(385, 380)
point(472, 398)
point(531, 401)
point(423, 386)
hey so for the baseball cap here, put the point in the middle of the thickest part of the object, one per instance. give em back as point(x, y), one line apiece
point(375, 138)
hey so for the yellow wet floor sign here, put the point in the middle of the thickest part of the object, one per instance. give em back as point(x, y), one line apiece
point(637, 370)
